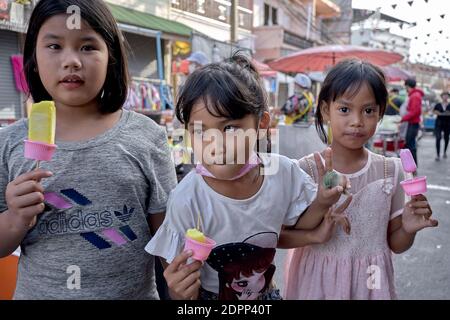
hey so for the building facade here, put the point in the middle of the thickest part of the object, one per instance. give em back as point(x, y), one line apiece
point(211, 22)
point(381, 38)
point(285, 26)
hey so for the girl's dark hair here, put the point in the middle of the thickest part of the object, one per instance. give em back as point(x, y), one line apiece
point(347, 77)
point(230, 89)
point(100, 19)
point(410, 82)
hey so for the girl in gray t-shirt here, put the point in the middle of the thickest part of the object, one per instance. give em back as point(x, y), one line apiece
point(82, 220)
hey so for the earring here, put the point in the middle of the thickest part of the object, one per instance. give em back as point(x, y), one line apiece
point(329, 133)
point(103, 94)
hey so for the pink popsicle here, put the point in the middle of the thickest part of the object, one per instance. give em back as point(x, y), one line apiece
point(408, 163)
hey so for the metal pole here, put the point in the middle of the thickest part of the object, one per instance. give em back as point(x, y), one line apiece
point(159, 59)
point(308, 26)
point(234, 21)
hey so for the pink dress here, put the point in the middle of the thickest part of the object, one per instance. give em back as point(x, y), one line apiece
point(359, 265)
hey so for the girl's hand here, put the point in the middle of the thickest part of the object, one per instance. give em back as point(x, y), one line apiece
point(332, 218)
point(25, 197)
point(183, 280)
point(328, 197)
point(416, 215)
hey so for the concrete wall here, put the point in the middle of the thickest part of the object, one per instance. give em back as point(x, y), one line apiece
point(381, 39)
point(296, 142)
point(217, 30)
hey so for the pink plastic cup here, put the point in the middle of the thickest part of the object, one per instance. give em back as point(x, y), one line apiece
point(201, 250)
point(415, 186)
point(39, 150)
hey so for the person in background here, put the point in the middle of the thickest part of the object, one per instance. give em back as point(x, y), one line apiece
point(299, 107)
point(197, 60)
point(412, 117)
point(394, 103)
point(442, 110)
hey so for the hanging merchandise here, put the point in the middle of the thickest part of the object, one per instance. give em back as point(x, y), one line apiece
point(4, 10)
point(143, 95)
point(156, 100)
point(146, 99)
point(132, 101)
point(19, 76)
point(181, 48)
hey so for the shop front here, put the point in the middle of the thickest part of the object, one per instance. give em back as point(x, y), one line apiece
point(12, 29)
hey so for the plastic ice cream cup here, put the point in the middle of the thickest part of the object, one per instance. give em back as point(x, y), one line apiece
point(39, 150)
point(415, 186)
point(201, 250)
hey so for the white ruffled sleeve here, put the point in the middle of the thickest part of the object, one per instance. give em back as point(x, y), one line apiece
point(303, 191)
point(168, 241)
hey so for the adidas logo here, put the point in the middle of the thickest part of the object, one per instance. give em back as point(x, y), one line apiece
point(125, 215)
point(78, 221)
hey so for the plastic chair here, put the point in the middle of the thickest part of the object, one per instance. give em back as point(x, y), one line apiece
point(8, 276)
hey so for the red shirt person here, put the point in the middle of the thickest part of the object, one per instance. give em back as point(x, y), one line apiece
point(414, 111)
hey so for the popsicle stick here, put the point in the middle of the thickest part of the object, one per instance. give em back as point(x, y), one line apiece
point(201, 222)
point(33, 222)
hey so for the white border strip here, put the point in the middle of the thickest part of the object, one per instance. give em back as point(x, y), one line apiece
point(434, 187)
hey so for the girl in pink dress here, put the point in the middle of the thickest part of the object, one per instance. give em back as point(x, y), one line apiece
point(355, 263)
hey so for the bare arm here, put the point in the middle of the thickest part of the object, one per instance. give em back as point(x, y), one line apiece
point(402, 230)
point(12, 231)
point(325, 197)
point(183, 280)
point(399, 240)
point(24, 198)
point(291, 238)
point(155, 221)
point(311, 218)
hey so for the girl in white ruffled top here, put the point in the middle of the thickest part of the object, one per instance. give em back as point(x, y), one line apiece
point(357, 265)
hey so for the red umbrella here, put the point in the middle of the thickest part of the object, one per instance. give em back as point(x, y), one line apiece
point(396, 74)
point(263, 69)
point(324, 57)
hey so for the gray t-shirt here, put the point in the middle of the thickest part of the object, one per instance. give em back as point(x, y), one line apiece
point(97, 203)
